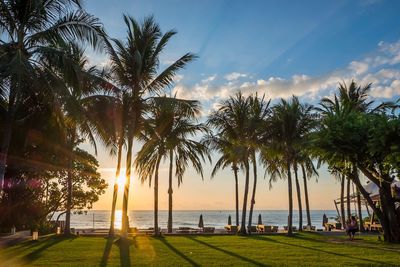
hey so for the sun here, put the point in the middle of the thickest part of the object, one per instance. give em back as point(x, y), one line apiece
point(121, 181)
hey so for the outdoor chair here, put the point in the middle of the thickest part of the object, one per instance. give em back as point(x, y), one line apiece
point(252, 229)
point(268, 229)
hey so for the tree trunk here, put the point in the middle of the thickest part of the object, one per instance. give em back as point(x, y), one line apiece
point(348, 200)
point(306, 196)
point(391, 217)
point(125, 218)
point(342, 212)
point(359, 211)
point(290, 219)
point(5, 143)
point(390, 224)
point(246, 192)
point(170, 191)
point(156, 232)
point(235, 170)
point(298, 198)
point(67, 229)
point(115, 192)
point(253, 196)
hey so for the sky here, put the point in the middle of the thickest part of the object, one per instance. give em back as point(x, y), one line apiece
point(276, 48)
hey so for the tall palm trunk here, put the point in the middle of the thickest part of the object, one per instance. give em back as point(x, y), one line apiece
point(359, 211)
point(306, 196)
point(7, 132)
point(67, 229)
point(348, 199)
point(170, 191)
point(342, 212)
point(115, 193)
point(246, 192)
point(156, 232)
point(235, 171)
point(298, 198)
point(361, 223)
point(253, 196)
point(125, 219)
point(290, 218)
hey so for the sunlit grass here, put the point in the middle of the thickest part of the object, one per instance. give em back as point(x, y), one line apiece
point(304, 249)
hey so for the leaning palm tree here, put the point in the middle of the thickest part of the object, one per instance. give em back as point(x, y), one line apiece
point(288, 128)
point(31, 30)
point(135, 64)
point(167, 121)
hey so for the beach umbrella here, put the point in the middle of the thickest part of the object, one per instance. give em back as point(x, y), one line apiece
point(324, 219)
point(201, 223)
point(229, 220)
point(259, 219)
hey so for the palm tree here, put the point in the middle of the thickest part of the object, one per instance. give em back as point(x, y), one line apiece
point(169, 123)
point(30, 31)
point(135, 64)
point(288, 128)
point(229, 158)
point(258, 114)
point(231, 122)
point(308, 170)
point(80, 108)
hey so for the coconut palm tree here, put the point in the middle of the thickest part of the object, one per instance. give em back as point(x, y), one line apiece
point(308, 170)
point(288, 128)
point(170, 122)
point(229, 158)
point(135, 66)
point(231, 122)
point(31, 30)
point(257, 117)
point(80, 107)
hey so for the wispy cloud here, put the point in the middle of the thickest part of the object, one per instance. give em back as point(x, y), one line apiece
point(234, 76)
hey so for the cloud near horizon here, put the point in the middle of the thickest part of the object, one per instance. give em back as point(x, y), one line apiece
point(381, 68)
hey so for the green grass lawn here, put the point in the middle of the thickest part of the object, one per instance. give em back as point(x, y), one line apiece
point(304, 249)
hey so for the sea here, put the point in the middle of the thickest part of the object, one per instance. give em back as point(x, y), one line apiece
point(100, 219)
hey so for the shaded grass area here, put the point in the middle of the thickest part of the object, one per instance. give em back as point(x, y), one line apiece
point(305, 249)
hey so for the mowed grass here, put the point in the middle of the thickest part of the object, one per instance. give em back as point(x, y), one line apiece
point(305, 249)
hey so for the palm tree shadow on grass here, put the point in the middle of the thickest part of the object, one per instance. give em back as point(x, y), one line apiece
point(230, 253)
point(267, 239)
point(35, 254)
point(124, 253)
point(177, 252)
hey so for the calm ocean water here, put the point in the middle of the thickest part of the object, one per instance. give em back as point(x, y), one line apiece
point(218, 219)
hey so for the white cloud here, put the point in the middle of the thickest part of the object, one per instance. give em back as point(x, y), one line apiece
point(178, 78)
point(358, 67)
point(379, 68)
point(234, 76)
point(209, 79)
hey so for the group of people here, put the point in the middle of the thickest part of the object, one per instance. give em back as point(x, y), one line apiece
point(351, 227)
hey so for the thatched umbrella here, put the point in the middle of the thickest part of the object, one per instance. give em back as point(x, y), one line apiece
point(229, 220)
point(259, 219)
point(201, 223)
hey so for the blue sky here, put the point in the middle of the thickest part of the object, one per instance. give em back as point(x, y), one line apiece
point(277, 48)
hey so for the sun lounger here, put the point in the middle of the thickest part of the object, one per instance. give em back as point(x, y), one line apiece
point(260, 228)
point(252, 229)
point(267, 229)
point(187, 230)
point(231, 229)
point(208, 230)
